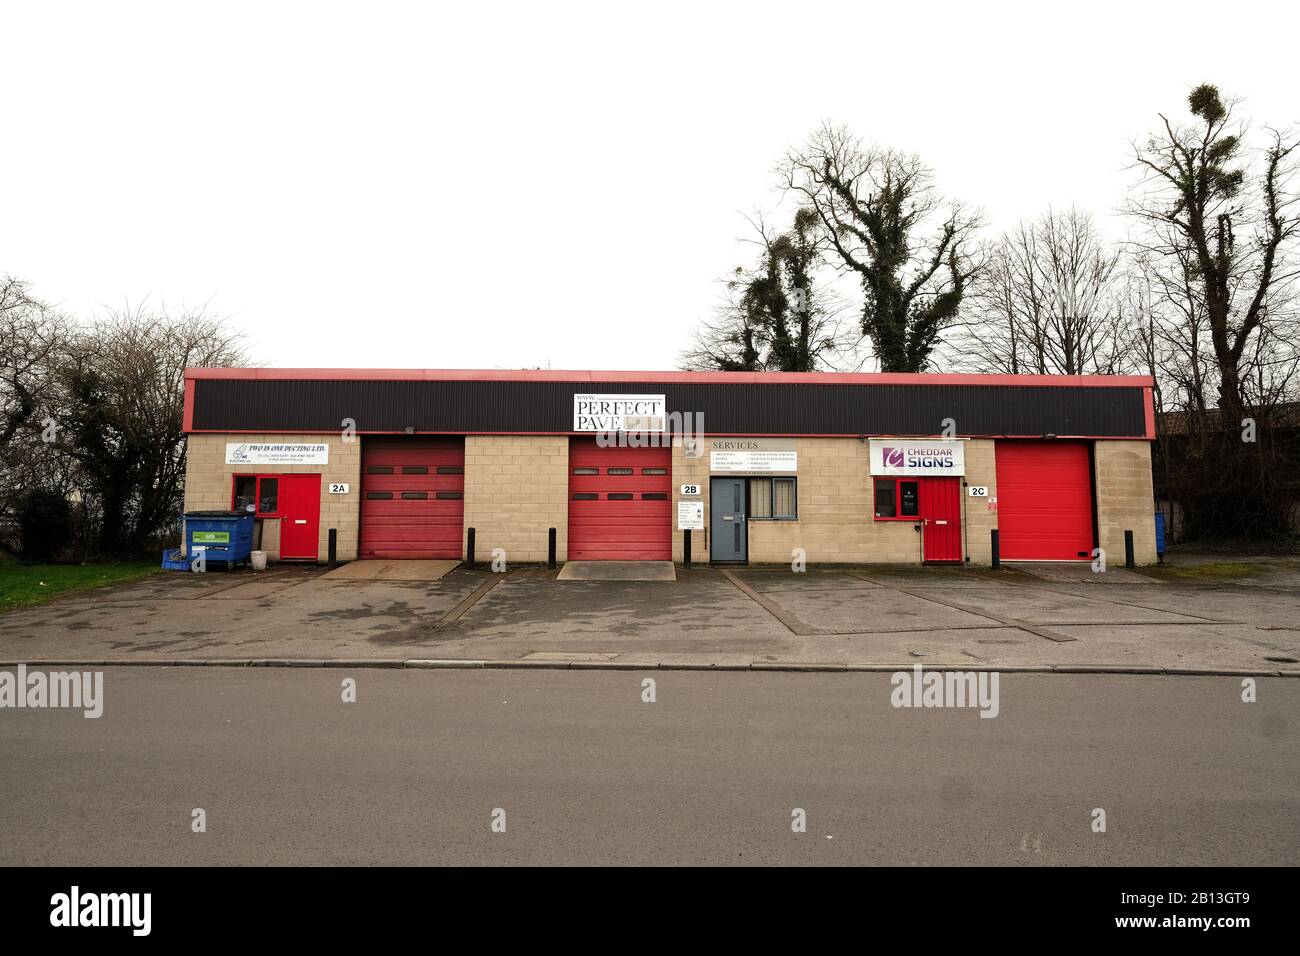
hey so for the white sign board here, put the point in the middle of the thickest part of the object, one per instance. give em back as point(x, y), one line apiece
point(753, 455)
point(267, 453)
point(618, 413)
point(338, 487)
point(690, 516)
point(934, 458)
point(978, 491)
point(690, 490)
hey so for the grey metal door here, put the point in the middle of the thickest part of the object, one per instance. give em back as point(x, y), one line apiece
point(729, 533)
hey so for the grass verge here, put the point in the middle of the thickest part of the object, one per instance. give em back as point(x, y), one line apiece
point(25, 585)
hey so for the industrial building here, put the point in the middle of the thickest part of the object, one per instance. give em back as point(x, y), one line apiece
point(757, 467)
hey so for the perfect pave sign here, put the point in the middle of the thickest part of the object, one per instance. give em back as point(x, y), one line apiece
point(905, 456)
point(267, 453)
point(618, 413)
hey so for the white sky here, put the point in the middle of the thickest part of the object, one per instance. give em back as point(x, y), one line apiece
point(555, 184)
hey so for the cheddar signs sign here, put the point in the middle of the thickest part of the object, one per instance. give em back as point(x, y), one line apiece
point(908, 456)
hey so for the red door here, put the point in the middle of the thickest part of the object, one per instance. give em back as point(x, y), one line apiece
point(1044, 501)
point(300, 516)
point(412, 497)
point(620, 503)
point(940, 508)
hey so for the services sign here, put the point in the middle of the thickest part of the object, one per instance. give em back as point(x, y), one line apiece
point(935, 458)
point(618, 413)
point(754, 455)
point(269, 453)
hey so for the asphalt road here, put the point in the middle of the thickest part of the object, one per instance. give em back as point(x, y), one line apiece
point(586, 772)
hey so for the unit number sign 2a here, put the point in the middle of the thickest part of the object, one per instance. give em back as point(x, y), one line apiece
point(338, 488)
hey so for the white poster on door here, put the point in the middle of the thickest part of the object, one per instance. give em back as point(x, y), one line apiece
point(269, 453)
point(935, 458)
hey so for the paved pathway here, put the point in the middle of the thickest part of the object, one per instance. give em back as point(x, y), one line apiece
point(747, 617)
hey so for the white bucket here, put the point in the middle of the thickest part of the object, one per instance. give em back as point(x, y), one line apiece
point(259, 560)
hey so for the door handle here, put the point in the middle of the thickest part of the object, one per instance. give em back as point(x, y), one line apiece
point(728, 518)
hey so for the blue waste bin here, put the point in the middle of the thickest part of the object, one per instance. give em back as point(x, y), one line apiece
point(1160, 533)
point(220, 535)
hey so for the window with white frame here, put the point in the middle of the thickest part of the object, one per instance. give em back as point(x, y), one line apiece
point(773, 499)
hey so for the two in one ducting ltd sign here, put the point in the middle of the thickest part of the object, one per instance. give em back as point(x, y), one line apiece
point(618, 413)
point(910, 457)
point(284, 453)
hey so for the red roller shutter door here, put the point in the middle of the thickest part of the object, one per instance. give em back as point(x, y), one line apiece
point(412, 497)
point(1045, 501)
point(620, 503)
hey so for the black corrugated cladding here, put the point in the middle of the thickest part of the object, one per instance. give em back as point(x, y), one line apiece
point(740, 408)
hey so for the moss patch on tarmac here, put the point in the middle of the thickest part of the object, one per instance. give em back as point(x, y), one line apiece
point(1210, 571)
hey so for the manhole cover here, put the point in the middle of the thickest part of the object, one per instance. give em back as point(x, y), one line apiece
point(1282, 660)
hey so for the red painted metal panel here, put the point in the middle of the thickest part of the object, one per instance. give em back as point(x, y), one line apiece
point(1044, 497)
point(421, 525)
point(605, 528)
point(940, 508)
point(300, 516)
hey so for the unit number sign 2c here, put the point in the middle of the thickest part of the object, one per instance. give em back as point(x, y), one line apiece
point(979, 491)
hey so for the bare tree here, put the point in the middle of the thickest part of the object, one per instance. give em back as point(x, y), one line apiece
point(887, 223)
point(1048, 303)
point(32, 336)
point(1217, 255)
point(1230, 229)
point(775, 317)
point(732, 339)
point(123, 395)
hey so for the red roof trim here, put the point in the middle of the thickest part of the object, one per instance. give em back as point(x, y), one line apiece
point(667, 378)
